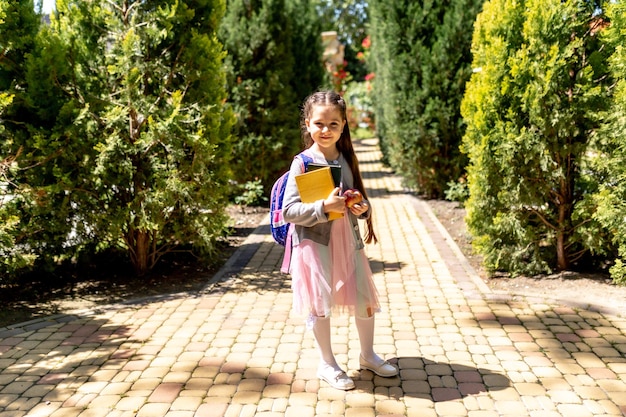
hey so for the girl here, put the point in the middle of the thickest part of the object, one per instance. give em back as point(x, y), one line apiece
point(329, 268)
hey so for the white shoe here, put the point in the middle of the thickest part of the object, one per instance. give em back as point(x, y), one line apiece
point(336, 378)
point(384, 368)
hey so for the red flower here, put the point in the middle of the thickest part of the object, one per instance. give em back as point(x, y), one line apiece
point(366, 42)
point(370, 76)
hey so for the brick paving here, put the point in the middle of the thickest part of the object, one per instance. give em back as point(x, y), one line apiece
point(235, 349)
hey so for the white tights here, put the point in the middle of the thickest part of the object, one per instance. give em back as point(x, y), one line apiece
point(365, 328)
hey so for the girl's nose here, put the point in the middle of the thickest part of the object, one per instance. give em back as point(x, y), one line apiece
point(325, 129)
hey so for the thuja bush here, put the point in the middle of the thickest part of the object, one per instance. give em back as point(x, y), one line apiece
point(19, 24)
point(273, 63)
point(611, 157)
point(129, 146)
point(421, 57)
point(533, 107)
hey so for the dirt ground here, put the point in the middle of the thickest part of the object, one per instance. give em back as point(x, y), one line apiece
point(580, 289)
point(101, 285)
point(108, 281)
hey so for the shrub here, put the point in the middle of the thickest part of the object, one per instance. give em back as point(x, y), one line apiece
point(532, 107)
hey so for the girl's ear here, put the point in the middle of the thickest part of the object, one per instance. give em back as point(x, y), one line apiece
point(307, 122)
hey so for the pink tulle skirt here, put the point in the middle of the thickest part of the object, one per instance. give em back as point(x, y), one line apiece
point(333, 278)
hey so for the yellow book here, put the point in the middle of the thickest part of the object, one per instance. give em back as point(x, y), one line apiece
point(317, 185)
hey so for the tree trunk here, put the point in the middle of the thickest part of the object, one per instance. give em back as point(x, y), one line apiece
point(562, 260)
point(565, 203)
point(139, 243)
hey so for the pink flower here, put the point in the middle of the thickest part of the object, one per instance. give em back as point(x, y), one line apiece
point(370, 76)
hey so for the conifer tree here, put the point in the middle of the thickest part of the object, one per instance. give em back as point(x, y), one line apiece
point(18, 28)
point(422, 61)
point(611, 158)
point(532, 107)
point(274, 61)
point(134, 145)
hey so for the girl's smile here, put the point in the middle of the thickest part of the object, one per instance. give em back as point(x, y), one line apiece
point(325, 127)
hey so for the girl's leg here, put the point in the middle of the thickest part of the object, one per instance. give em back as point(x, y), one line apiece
point(365, 327)
point(329, 370)
point(369, 359)
point(321, 330)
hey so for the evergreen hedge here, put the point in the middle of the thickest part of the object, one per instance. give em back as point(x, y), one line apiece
point(19, 25)
point(421, 56)
point(274, 61)
point(611, 159)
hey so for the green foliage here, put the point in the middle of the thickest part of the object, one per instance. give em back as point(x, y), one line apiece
point(14, 257)
point(18, 25)
point(250, 193)
point(129, 140)
point(457, 191)
point(611, 157)
point(422, 62)
point(165, 125)
point(273, 63)
point(18, 28)
point(360, 109)
point(532, 107)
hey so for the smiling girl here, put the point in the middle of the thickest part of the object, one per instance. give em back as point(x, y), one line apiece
point(329, 268)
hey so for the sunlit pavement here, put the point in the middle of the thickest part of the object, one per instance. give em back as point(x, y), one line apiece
point(235, 349)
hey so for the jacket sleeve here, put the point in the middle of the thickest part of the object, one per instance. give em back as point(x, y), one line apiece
point(294, 210)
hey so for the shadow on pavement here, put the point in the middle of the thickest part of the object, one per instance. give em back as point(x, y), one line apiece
point(436, 381)
point(419, 378)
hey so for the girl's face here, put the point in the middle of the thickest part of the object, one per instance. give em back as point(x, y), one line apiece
point(325, 125)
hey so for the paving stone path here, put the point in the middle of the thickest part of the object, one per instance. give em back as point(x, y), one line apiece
point(235, 348)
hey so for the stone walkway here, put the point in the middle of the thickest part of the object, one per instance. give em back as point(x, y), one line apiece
point(235, 349)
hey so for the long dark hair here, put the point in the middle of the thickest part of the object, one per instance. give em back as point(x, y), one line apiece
point(344, 145)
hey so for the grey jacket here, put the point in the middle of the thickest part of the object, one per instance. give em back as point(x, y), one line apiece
point(309, 218)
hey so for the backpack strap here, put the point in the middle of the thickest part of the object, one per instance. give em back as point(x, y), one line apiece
point(305, 160)
point(284, 268)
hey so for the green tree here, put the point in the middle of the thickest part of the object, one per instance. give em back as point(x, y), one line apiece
point(421, 56)
point(133, 146)
point(611, 160)
point(274, 62)
point(532, 107)
point(18, 28)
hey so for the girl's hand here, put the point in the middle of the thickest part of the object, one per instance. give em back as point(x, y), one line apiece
point(359, 208)
point(335, 202)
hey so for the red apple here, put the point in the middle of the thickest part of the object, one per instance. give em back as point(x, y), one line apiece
point(353, 196)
